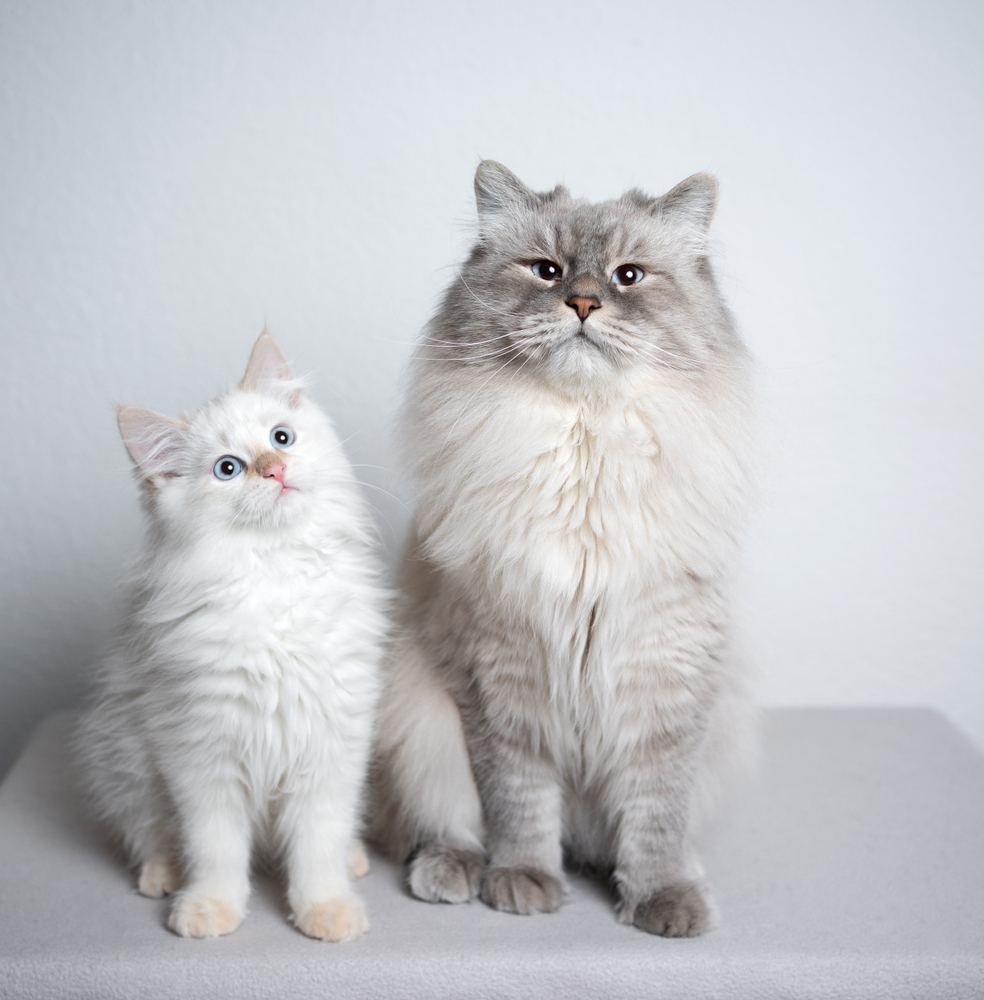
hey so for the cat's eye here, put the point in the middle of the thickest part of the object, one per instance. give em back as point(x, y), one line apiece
point(628, 274)
point(227, 467)
point(281, 437)
point(547, 270)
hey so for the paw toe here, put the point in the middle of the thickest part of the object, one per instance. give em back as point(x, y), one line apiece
point(334, 920)
point(678, 911)
point(522, 890)
point(445, 875)
point(203, 917)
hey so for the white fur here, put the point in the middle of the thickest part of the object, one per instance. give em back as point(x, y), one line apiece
point(239, 699)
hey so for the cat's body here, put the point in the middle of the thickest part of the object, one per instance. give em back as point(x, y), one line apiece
point(583, 449)
point(238, 702)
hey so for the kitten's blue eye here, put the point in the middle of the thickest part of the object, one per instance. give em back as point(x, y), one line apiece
point(227, 467)
point(547, 270)
point(628, 274)
point(281, 437)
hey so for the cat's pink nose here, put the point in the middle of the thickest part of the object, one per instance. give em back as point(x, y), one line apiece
point(583, 304)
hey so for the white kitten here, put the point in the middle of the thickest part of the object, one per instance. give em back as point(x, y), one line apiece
point(238, 702)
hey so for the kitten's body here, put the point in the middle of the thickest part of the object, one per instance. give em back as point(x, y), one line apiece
point(238, 702)
point(583, 489)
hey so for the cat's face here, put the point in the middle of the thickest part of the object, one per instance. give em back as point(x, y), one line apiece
point(578, 292)
point(260, 456)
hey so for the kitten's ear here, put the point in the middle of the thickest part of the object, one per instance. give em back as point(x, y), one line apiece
point(155, 442)
point(499, 190)
point(691, 202)
point(267, 370)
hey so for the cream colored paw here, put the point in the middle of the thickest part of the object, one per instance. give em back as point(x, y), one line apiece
point(358, 863)
point(203, 917)
point(334, 920)
point(159, 876)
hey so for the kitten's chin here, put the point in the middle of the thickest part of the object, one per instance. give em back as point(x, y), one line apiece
point(285, 510)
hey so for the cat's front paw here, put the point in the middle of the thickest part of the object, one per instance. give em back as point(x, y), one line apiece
point(677, 911)
point(203, 917)
point(333, 920)
point(444, 874)
point(522, 890)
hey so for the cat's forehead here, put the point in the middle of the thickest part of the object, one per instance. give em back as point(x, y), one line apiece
point(575, 229)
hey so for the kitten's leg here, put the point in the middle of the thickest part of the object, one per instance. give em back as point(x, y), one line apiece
point(216, 833)
point(316, 825)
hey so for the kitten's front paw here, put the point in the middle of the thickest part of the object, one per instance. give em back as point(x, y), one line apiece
point(159, 876)
point(334, 920)
point(678, 911)
point(522, 890)
point(445, 875)
point(203, 917)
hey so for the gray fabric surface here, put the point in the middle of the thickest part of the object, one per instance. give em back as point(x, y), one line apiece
point(851, 866)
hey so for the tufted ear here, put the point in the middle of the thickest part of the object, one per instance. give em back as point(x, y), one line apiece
point(691, 202)
point(155, 442)
point(267, 369)
point(500, 190)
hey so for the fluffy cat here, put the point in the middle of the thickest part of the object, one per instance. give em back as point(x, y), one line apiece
point(564, 681)
point(239, 699)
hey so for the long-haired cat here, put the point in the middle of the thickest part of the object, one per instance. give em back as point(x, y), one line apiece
point(237, 705)
point(564, 681)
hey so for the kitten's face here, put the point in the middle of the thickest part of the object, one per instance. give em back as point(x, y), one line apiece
point(579, 292)
point(252, 460)
point(260, 456)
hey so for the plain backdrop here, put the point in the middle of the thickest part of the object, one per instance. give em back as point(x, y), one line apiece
point(175, 176)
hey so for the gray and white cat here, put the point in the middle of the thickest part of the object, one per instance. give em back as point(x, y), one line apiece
point(580, 425)
point(238, 702)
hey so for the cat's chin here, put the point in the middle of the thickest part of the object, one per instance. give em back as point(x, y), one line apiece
point(581, 363)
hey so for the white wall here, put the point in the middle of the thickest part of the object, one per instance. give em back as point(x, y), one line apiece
point(172, 178)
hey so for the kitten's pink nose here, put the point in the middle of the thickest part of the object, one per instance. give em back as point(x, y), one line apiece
point(270, 467)
point(583, 304)
point(275, 472)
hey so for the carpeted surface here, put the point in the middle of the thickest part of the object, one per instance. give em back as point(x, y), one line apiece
point(852, 866)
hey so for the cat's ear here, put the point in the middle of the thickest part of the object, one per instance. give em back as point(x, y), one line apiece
point(500, 190)
point(691, 202)
point(268, 371)
point(155, 442)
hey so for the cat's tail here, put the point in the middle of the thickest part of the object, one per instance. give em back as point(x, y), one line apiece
point(422, 789)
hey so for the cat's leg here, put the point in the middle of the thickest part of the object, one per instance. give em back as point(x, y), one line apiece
point(648, 791)
point(522, 799)
point(315, 824)
point(216, 835)
point(424, 796)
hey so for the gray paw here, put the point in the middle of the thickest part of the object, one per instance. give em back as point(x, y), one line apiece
point(522, 890)
point(441, 874)
point(679, 911)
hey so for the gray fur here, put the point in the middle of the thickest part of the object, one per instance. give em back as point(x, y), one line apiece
point(565, 678)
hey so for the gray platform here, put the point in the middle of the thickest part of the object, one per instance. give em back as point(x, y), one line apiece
point(852, 866)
